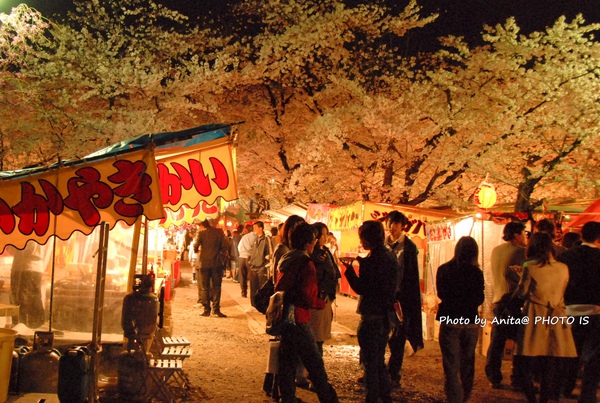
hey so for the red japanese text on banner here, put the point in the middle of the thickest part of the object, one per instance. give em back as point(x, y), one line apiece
point(77, 198)
point(202, 173)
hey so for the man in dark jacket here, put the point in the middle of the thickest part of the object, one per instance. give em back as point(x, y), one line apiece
point(376, 284)
point(408, 294)
point(258, 260)
point(582, 298)
point(211, 244)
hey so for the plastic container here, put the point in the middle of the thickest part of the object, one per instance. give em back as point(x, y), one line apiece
point(7, 341)
point(176, 272)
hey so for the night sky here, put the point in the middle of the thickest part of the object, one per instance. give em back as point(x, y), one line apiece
point(457, 17)
point(467, 17)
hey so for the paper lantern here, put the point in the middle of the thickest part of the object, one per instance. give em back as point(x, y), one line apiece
point(485, 196)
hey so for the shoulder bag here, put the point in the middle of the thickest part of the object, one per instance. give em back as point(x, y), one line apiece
point(279, 314)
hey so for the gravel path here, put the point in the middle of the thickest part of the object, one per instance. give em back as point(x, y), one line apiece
point(230, 355)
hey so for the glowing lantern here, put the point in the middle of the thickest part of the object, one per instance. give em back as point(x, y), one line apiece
point(485, 196)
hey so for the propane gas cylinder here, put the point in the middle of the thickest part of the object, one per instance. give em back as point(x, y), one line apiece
point(38, 369)
point(140, 312)
point(132, 374)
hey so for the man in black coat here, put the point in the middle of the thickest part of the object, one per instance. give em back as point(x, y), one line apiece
point(408, 294)
point(582, 298)
point(212, 246)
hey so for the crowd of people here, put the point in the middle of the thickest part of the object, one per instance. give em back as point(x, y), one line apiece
point(308, 270)
point(545, 299)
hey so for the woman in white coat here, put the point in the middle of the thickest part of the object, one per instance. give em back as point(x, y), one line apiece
point(547, 335)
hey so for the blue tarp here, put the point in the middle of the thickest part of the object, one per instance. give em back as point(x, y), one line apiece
point(183, 138)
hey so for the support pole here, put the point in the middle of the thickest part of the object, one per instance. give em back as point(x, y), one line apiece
point(145, 248)
point(96, 345)
point(135, 246)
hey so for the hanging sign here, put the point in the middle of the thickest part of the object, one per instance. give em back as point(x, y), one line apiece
point(63, 200)
point(197, 173)
point(185, 214)
point(440, 232)
point(346, 217)
point(318, 213)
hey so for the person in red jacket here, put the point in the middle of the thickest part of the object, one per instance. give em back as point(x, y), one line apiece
point(296, 275)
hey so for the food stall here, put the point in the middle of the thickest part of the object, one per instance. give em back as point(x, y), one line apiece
point(344, 221)
point(91, 219)
point(486, 226)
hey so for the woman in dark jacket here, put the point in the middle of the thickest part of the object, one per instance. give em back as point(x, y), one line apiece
point(460, 287)
point(297, 277)
point(327, 280)
point(376, 285)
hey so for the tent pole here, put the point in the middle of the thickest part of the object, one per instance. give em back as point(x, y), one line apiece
point(54, 226)
point(96, 345)
point(482, 246)
point(134, 253)
point(145, 248)
point(52, 278)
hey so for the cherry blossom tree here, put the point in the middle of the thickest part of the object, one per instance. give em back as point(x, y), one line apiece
point(530, 107)
point(104, 75)
point(295, 53)
point(522, 109)
point(331, 111)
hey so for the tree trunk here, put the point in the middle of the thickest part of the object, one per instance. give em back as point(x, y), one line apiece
point(524, 203)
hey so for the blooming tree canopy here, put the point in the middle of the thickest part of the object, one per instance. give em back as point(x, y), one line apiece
point(331, 110)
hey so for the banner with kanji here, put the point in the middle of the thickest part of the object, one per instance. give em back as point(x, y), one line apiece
point(186, 215)
point(203, 172)
point(318, 213)
point(346, 217)
point(416, 217)
point(60, 201)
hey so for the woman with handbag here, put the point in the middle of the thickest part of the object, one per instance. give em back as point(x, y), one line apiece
point(547, 336)
point(296, 276)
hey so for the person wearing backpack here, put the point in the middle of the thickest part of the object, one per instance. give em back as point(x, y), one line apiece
point(296, 276)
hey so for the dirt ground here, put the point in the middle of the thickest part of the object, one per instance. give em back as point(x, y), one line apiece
point(230, 355)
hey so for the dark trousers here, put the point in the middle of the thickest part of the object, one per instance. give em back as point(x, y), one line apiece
point(495, 353)
point(257, 276)
point(572, 365)
point(209, 288)
point(590, 359)
point(372, 336)
point(458, 358)
point(550, 371)
point(396, 344)
point(243, 275)
point(298, 343)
